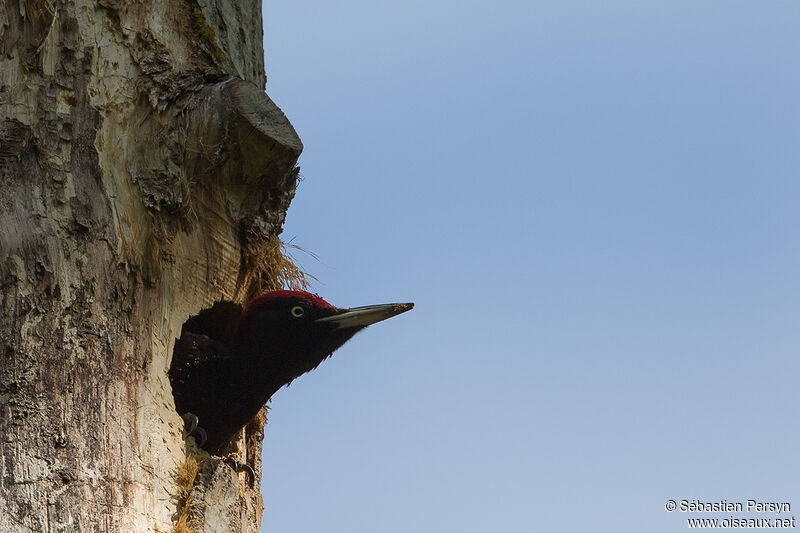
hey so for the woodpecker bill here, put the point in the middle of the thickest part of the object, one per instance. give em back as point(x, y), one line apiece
point(228, 362)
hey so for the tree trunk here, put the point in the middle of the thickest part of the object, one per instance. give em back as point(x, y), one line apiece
point(145, 174)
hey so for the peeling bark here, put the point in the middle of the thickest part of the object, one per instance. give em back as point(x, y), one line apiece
point(144, 172)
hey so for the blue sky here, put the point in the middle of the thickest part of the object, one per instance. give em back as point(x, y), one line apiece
point(595, 208)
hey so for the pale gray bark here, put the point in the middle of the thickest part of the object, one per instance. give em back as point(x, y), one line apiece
point(143, 174)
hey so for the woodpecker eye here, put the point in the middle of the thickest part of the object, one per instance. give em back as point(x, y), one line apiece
point(298, 311)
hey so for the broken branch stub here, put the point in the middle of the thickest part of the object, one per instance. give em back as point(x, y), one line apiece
point(239, 140)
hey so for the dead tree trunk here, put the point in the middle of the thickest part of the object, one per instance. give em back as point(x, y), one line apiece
point(144, 174)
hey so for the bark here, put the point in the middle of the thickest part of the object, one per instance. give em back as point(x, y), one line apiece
point(144, 174)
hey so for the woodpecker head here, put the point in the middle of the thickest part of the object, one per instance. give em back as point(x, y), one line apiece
point(291, 332)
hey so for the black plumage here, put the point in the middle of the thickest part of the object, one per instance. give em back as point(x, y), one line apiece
point(228, 361)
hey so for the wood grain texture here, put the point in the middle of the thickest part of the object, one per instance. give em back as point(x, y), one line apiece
point(140, 177)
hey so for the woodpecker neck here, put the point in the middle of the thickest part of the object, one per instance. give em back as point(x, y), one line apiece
point(273, 359)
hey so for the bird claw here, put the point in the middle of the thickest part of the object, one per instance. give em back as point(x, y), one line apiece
point(238, 466)
point(200, 437)
point(192, 428)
